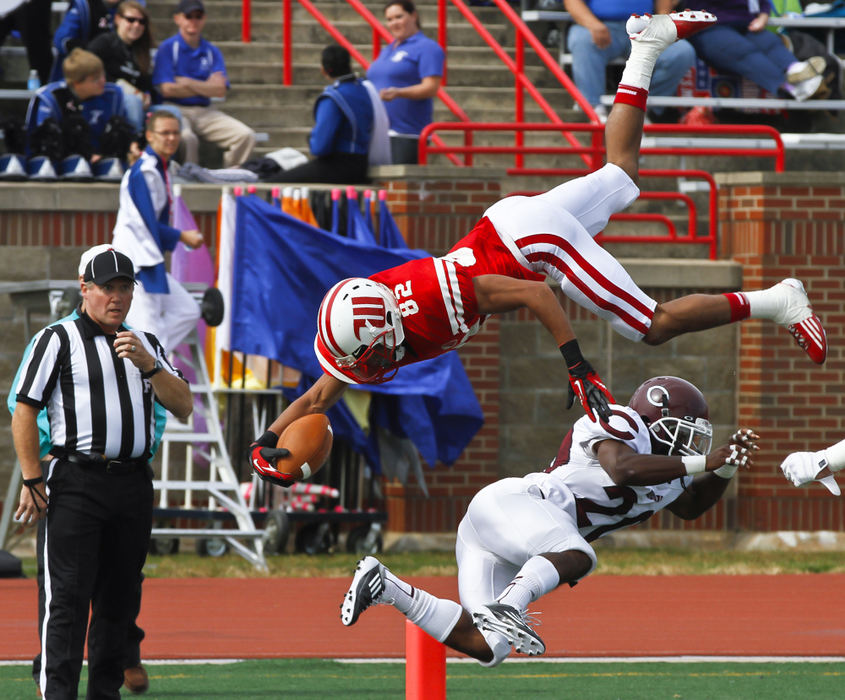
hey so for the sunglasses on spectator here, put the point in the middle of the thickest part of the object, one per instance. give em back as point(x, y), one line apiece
point(136, 20)
point(195, 15)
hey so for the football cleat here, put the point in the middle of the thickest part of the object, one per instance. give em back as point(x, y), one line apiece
point(798, 317)
point(507, 620)
point(668, 28)
point(367, 586)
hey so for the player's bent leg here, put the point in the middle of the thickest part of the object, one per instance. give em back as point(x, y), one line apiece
point(513, 624)
point(694, 312)
point(592, 199)
point(489, 649)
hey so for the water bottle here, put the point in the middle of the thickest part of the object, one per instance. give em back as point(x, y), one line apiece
point(33, 83)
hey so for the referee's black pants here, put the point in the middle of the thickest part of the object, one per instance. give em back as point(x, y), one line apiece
point(96, 540)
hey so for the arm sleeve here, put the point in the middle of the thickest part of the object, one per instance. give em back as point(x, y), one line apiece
point(166, 237)
point(327, 119)
point(218, 65)
point(431, 61)
point(39, 370)
point(163, 68)
point(69, 32)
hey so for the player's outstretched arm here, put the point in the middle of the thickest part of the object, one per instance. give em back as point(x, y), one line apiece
point(498, 294)
point(629, 468)
point(706, 489)
point(803, 467)
point(262, 454)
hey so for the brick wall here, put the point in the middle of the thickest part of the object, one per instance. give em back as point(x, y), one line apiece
point(753, 375)
point(780, 226)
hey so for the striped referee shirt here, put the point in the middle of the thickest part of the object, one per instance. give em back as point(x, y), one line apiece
point(97, 403)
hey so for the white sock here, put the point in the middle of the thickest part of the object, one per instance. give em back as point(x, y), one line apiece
point(537, 577)
point(640, 65)
point(435, 616)
point(764, 303)
point(397, 592)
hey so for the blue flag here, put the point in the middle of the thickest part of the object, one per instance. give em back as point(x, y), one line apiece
point(336, 212)
point(388, 232)
point(356, 226)
point(283, 268)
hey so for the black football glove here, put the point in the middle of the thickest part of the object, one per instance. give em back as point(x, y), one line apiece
point(262, 455)
point(585, 384)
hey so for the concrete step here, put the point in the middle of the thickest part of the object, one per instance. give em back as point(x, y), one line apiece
point(308, 31)
point(269, 71)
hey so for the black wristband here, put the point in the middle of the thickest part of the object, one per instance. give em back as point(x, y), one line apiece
point(33, 482)
point(268, 439)
point(571, 353)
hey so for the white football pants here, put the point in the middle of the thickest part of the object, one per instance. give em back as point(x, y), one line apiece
point(552, 234)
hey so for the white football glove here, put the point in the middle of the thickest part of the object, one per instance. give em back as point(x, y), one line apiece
point(803, 467)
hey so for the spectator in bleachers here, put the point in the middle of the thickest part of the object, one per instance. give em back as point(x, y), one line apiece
point(125, 53)
point(344, 127)
point(31, 19)
point(407, 74)
point(80, 115)
point(597, 36)
point(83, 21)
point(189, 71)
point(739, 43)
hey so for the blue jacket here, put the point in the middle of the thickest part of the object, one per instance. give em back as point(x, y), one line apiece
point(343, 117)
point(55, 100)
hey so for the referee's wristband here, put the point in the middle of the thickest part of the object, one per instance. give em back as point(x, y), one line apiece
point(694, 464)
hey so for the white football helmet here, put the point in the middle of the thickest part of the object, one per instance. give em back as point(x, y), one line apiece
point(359, 332)
point(676, 414)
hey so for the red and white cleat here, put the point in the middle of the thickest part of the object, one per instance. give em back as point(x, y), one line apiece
point(798, 317)
point(668, 28)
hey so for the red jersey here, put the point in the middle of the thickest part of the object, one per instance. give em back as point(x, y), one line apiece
point(436, 296)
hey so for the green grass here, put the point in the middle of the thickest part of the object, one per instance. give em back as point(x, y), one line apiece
point(641, 562)
point(317, 678)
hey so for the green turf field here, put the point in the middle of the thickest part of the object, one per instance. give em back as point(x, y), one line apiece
point(316, 678)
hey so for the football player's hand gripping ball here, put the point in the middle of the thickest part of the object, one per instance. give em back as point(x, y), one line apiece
point(262, 455)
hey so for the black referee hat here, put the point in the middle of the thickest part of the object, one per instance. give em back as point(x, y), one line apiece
point(107, 265)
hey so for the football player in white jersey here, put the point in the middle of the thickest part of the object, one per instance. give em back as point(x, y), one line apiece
point(523, 537)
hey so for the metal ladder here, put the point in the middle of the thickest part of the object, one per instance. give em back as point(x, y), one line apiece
point(221, 486)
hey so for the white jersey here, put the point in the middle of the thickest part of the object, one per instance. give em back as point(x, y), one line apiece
point(601, 505)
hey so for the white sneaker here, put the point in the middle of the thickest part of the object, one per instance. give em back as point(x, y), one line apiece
point(799, 72)
point(667, 29)
point(797, 315)
point(507, 620)
point(367, 586)
point(805, 78)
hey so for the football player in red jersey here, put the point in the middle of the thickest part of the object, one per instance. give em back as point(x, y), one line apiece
point(523, 537)
point(369, 327)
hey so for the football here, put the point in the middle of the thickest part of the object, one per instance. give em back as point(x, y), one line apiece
point(309, 441)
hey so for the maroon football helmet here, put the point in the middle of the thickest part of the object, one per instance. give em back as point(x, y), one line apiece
point(676, 414)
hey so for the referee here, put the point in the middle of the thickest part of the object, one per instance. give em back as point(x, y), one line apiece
point(98, 382)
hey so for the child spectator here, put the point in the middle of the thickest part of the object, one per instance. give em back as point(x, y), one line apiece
point(80, 115)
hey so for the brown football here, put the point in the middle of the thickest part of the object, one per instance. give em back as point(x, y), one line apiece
point(309, 441)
